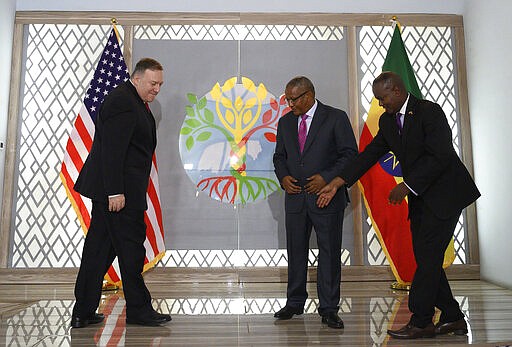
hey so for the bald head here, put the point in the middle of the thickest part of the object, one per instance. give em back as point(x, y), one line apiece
point(389, 89)
point(390, 80)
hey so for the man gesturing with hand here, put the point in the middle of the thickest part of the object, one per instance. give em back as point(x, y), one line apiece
point(438, 187)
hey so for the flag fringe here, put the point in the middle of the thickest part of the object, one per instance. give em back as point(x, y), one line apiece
point(146, 267)
point(73, 203)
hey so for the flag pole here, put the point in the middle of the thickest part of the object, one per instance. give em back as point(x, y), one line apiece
point(113, 21)
point(398, 285)
point(394, 22)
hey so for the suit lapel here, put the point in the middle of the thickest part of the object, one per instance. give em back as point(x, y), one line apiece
point(153, 127)
point(408, 120)
point(409, 114)
point(144, 111)
point(316, 124)
point(294, 130)
point(149, 116)
point(390, 129)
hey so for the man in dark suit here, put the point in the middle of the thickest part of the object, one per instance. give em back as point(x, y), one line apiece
point(438, 187)
point(314, 142)
point(115, 177)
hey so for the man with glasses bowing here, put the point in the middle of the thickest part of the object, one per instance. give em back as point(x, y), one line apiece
point(314, 141)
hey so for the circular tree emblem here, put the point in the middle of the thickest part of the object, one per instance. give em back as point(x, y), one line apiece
point(227, 141)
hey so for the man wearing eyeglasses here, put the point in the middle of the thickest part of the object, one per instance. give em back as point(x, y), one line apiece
point(314, 141)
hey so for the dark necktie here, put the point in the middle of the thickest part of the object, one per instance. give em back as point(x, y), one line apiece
point(147, 106)
point(303, 131)
point(399, 122)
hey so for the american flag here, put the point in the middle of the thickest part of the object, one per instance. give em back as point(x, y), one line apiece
point(110, 72)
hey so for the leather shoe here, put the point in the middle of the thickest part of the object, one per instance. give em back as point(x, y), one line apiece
point(410, 331)
point(165, 316)
point(81, 322)
point(458, 327)
point(333, 320)
point(149, 320)
point(287, 312)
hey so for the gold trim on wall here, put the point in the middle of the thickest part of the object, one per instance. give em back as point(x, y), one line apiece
point(159, 18)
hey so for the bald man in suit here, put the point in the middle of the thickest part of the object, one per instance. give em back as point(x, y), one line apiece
point(438, 187)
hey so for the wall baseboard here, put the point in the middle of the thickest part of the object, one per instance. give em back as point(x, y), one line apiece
point(225, 275)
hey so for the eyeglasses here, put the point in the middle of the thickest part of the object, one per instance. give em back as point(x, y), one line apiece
point(294, 100)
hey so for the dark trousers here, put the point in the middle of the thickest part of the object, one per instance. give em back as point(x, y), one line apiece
point(110, 234)
point(328, 228)
point(430, 288)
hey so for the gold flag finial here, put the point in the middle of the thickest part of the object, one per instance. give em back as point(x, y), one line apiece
point(113, 21)
point(394, 22)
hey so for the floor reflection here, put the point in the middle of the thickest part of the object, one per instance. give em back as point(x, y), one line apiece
point(240, 321)
point(222, 306)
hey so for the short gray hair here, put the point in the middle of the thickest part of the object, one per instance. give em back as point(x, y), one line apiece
point(301, 81)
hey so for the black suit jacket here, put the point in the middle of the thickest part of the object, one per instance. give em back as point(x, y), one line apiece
point(122, 150)
point(430, 165)
point(330, 144)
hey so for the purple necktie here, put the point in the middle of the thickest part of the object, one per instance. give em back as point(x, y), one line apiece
point(399, 123)
point(303, 132)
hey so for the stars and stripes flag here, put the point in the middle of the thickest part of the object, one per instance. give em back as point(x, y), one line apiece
point(110, 72)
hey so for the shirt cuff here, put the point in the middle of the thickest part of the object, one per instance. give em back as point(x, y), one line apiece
point(411, 189)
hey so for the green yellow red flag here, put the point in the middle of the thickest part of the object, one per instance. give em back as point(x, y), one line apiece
point(390, 223)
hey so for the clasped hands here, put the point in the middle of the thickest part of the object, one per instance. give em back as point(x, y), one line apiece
point(314, 185)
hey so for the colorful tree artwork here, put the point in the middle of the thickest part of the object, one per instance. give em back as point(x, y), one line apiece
point(227, 141)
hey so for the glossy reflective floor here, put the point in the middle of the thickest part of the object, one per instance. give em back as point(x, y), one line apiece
point(220, 314)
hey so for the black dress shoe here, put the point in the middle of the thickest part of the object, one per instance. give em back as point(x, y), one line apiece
point(81, 322)
point(333, 320)
point(458, 327)
point(409, 331)
point(165, 316)
point(287, 312)
point(150, 321)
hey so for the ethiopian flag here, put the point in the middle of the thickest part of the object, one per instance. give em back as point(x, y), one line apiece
point(391, 223)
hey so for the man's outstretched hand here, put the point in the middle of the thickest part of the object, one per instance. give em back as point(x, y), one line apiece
point(326, 194)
